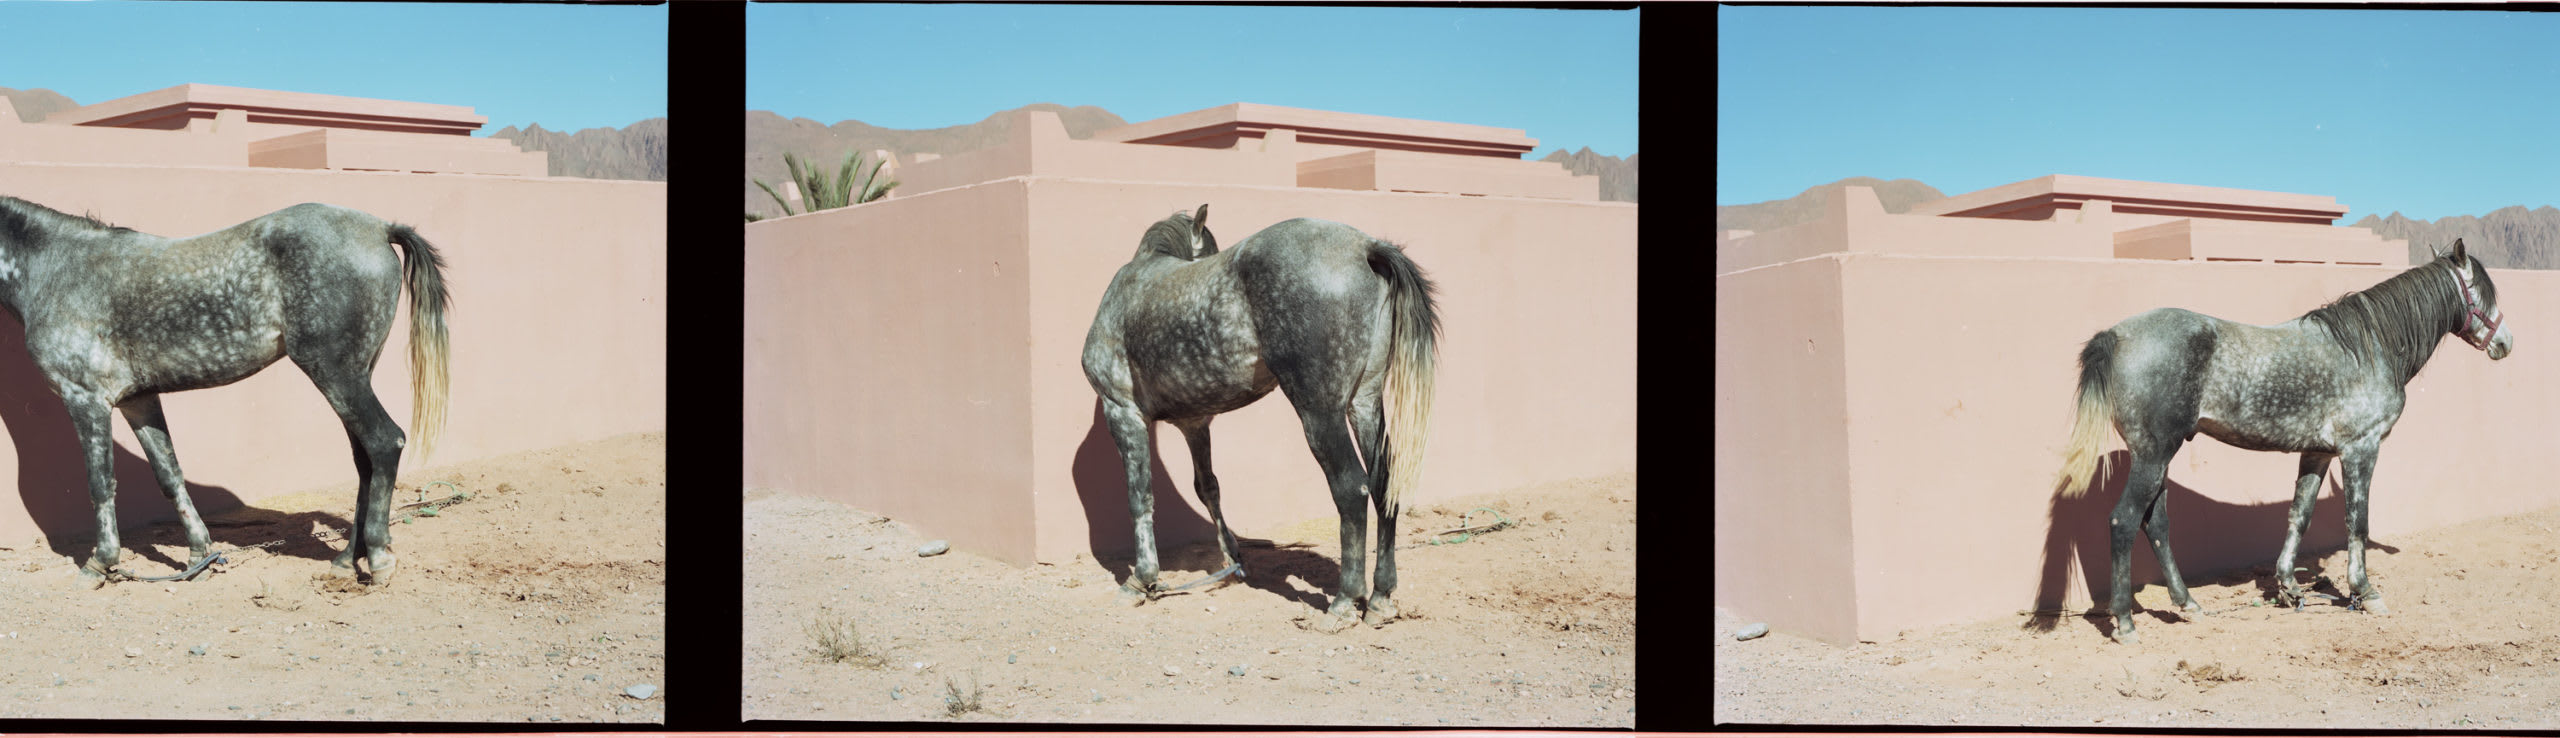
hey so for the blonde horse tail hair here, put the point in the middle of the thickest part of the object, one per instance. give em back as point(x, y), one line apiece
point(427, 302)
point(1410, 366)
point(2081, 460)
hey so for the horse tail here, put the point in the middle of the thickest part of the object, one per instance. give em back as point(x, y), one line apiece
point(427, 300)
point(1410, 366)
point(2081, 460)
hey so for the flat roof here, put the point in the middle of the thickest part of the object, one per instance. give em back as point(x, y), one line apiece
point(1324, 127)
point(2068, 190)
point(157, 108)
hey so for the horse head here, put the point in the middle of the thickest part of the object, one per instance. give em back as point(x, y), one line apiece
point(1182, 236)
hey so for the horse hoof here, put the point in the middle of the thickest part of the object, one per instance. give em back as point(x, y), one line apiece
point(90, 579)
point(339, 571)
point(1380, 613)
point(1130, 597)
point(2128, 638)
point(2374, 605)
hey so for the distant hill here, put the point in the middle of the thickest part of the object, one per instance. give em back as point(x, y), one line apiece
point(2511, 237)
point(1899, 196)
point(770, 135)
point(635, 152)
point(34, 105)
point(1617, 176)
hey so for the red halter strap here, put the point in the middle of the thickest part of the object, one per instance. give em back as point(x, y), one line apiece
point(2488, 326)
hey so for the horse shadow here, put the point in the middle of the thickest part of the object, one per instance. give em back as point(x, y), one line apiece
point(1184, 540)
point(53, 479)
point(2216, 542)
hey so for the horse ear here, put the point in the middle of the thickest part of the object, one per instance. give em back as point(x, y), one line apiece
point(1201, 219)
point(2458, 254)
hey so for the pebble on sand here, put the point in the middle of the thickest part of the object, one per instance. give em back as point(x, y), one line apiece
point(641, 691)
point(933, 549)
point(1751, 631)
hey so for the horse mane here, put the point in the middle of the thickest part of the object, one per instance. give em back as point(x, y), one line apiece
point(20, 220)
point(2399, 321)
point(1172, 237)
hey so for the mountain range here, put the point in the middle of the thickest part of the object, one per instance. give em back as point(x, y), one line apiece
point(2513, 237)
point(769, 136)
point(1899, 196)
point(635, 152)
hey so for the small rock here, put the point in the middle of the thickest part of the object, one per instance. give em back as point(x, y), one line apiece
point(1237, 670)
point(131, 652)
point(1751, 631)
point(934, 548)
point(1173, 671)
point(893, 694)
point(641, 691)
point(1008, 658)
point(199, 649)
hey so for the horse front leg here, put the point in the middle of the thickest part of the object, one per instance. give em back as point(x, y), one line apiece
point(2306, 487)
point(89, 420)
point(2357, 465)
point(1129, 432)
point(143, 413)
point(1195, 431)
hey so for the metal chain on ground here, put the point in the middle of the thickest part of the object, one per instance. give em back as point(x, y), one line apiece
point(1466, 532)
point(324, 535)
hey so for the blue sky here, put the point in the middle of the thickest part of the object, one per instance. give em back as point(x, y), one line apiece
point(566, 67)
point(1566, 77)
point(2430, 113)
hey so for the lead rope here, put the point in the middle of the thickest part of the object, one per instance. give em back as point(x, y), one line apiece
point(432, 508)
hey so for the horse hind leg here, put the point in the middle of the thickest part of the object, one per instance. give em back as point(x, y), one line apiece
point(1331, 441)
point(2143, 485)
point(1196, 433)
point(89, 420)
point(1368, 419)
point(2156, 524)
point(376, 441)
point(1129, 432)
point(142, 412)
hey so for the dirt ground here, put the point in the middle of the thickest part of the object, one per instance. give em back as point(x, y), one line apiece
point(541, 598)
point(2472, 642)
point(1532, 625)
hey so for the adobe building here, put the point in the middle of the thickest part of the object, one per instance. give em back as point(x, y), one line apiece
point(238, 126)
point(919, 356)
point(1893, 392)
point(558, 319)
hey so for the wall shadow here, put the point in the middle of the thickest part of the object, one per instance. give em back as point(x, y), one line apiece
point(1185, 541)
point(2216, 543)
point(53, 478)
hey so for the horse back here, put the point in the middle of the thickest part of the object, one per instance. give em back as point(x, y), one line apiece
point(1175, 334)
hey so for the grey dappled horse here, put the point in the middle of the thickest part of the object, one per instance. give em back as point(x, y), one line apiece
point(2328, 384)
point(1332, 317)
point(116, 317)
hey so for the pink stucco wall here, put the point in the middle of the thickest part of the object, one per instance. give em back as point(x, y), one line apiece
point(1887, 429)
point(919, 356)
point(558, 331)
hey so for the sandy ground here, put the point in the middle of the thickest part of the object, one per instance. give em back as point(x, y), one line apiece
point(2471, 643)
point(1532, 625)
point(542, 598)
